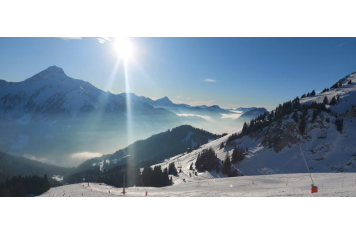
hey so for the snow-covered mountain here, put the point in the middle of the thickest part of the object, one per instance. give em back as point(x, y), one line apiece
point(326, 135)
point(167, 104)
point(245, 109)
point(251, 113)
point(42, 114)
point(52, 92)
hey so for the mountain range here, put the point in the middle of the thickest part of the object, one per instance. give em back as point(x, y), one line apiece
point(61, 120)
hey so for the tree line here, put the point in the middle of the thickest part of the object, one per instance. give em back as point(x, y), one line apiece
point(19, 186)
point(208, 161)
point(299, 111)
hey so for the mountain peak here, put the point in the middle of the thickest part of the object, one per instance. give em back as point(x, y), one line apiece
point(163, 102)
point(52, 72)
point(165, 98)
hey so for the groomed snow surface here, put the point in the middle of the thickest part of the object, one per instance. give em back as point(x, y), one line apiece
point(280, 185)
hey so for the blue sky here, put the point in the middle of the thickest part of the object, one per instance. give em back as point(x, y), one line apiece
point(229, 72)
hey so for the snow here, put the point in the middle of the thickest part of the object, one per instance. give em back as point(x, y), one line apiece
point(59, 178)
point(285, 185)
point(335, 152)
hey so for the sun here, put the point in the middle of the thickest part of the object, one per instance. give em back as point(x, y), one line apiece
point(123, 48)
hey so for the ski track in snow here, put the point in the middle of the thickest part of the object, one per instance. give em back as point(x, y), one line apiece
point(284, 185)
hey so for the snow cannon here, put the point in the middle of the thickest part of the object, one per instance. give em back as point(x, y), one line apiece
point(314, 189)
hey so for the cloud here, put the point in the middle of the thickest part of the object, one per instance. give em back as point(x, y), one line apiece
point(85, 155)
point(208, 118)
point(209, 80)
point(70, 38)
point(233, 116)
point(103, 39)
point(43, 160)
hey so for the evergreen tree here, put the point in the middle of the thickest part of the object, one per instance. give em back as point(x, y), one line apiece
point(206, 160)
point(325, 90)
point(146, 176)
point(172, 170)
point(339, 125)
point(315, 114)
point(333, 101)
point(222, 145)
point(302, 125)
point(349, 82)
point(217, 166)
point(227, 164)
point(295, 116)
point(326, 101)
point(4, 191)
point(312, 93)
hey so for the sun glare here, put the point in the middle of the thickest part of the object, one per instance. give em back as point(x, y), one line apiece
point(124, 48)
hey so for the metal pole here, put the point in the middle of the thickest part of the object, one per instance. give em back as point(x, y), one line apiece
point(123, 190)
point(306, 165)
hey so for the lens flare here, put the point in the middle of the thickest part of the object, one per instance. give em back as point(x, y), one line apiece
point(123, 48)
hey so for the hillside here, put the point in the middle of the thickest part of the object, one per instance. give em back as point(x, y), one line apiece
point(146, 152)
point(323, 131)
point(12, 166)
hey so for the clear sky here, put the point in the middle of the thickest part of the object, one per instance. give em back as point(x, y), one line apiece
point(229, 72)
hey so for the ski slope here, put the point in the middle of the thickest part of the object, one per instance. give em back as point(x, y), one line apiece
point(283, 185)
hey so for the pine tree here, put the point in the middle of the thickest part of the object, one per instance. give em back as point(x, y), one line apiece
point(326, 101)
point(227, 164)
point(302, 125)
point(235, 155)
point(172, 170)
point(333, 101)
point(217, 166)
point(312, 93)
point(339, 125)
point(315, 115)
point(295, 116)
point(349, 82)
point(222, 145)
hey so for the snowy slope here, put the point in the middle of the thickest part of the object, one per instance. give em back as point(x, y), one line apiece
point(292, 185)
point(325, 148)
